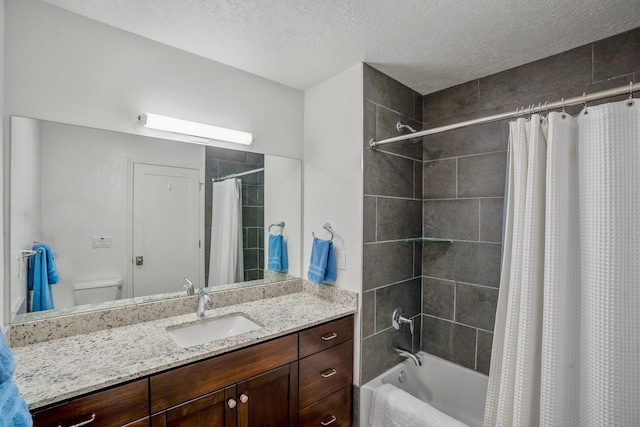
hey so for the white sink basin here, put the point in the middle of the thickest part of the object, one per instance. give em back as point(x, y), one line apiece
point(208, 330)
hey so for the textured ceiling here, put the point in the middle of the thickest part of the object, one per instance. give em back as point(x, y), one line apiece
point(426, 44)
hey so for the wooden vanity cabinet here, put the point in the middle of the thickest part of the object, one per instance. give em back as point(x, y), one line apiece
point(299, 379)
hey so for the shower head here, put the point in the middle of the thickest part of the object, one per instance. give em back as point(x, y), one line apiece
point(401, 127)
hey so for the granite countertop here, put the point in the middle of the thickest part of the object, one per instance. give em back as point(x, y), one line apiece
point(56, 370)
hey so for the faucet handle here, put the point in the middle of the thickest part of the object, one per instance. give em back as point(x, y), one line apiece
point(188, 286)
point(204, 295)
point(397, 319)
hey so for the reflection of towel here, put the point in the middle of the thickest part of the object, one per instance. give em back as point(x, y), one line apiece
point(392, 407)
point(322, 267)
point(42, 274)
point(13, 409)
point(277, 254)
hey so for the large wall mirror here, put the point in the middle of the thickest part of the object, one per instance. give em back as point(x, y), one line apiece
point(132, 216)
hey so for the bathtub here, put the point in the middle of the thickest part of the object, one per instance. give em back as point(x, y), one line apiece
point(457, 391)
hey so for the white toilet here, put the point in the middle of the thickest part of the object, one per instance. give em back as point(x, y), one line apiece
point(96, 291)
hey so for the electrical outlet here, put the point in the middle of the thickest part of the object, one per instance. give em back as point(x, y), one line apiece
point(100, 242)
point(341, 260)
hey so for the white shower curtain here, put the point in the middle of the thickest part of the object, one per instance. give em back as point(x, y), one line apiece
point(566, 347)
point(225, 261)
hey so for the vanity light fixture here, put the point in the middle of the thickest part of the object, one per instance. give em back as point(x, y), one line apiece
point(170, 124)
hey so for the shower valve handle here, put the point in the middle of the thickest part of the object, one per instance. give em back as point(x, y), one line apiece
point(398, 319)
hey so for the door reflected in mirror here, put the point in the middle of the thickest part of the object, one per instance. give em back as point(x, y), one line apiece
point(132, 216)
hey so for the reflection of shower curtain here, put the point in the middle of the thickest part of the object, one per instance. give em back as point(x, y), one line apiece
point(566, 348)
point(225, 262)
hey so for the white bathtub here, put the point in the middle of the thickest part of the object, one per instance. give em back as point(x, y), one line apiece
point(457, 391)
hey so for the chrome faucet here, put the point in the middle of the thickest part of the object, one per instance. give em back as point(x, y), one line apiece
point(203, 298)
point(398, 319)
point(188, 286)
point(406, 353)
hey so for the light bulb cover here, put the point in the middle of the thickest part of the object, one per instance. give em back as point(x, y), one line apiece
point(186, 127)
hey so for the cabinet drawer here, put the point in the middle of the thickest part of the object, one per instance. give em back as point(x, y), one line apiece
point(188, 382)
point(114, 407)
point(325, 336)
point(334, 410)
point(323, 373)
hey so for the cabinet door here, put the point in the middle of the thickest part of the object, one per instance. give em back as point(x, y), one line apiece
point(205, 411)
point(270, 399)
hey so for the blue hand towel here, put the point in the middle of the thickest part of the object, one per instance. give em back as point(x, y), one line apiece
point(277, 260)
point(42, 273)
point(13, 409)
point(322, 267)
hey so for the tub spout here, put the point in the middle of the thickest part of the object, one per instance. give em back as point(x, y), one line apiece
point(406, 353)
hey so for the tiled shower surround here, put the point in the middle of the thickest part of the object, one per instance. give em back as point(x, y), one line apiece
point(222, 162)
point(451, 186)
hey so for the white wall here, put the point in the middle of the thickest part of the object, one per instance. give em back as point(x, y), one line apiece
point(4, 272)
point(283, 202)
point(67, 68)
point(333, 132)
point(25, 206)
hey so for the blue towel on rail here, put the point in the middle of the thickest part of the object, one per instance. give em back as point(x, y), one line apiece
point(277, 260)
point(13, 409)
point(322, 267)
point(42, 274)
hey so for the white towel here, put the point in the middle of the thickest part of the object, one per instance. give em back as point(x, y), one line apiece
point(392, 407)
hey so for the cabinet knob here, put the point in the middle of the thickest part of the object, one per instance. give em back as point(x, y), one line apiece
point(231, 403)
point(331, 421)
point(244, 398)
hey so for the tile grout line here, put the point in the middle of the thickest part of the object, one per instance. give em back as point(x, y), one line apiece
point(376, 220)
point(456, 177)
point(476, 352)
point(479, 219)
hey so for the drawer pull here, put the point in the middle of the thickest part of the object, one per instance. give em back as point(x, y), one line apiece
point(331, 421)
point(329, 373)
point(231, 403)
point(330, 337)
point(83, 423)
point(244, 398)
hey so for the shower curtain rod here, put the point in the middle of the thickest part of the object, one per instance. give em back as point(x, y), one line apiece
point(235, 175)
point(585, 98)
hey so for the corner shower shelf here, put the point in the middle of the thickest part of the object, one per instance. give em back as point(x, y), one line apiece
point(429, 240)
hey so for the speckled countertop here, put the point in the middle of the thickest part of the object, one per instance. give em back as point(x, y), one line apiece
point(56, 370)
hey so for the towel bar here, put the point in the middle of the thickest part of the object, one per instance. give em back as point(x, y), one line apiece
point(279, 224)
point(327, 227)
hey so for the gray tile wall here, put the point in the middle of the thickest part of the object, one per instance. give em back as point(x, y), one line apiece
point(392, 214)
point(222, 162)
point(463, 187)
point(451, 186)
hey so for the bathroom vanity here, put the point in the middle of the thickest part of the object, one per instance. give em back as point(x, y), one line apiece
point(296, 370)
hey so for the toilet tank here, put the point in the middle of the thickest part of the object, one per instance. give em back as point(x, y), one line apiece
point(97, 291)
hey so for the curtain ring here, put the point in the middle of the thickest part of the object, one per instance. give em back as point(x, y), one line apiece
point(630, 102)
point(564, 113)
point(584, 99)
point(546, 107)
